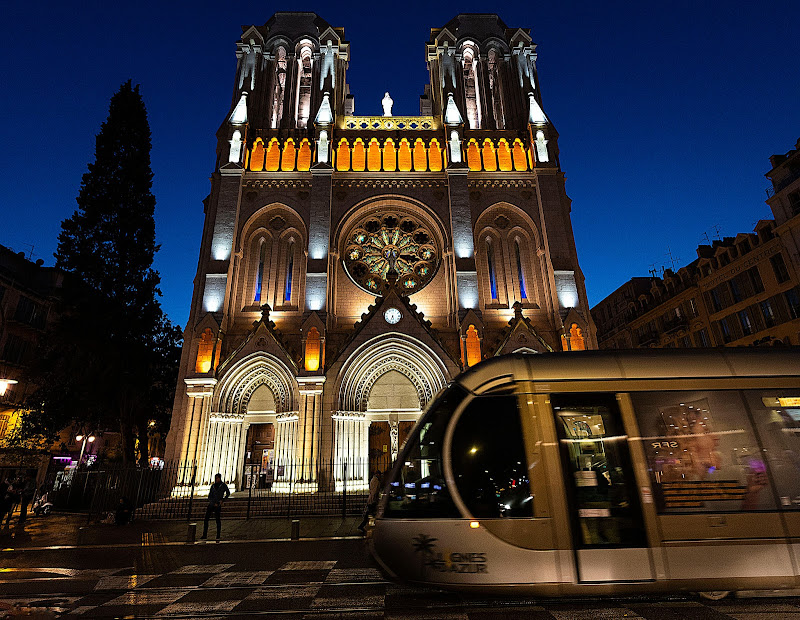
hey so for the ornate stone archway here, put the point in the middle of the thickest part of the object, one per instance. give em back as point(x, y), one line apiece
point(384, 353)
point(226, 433)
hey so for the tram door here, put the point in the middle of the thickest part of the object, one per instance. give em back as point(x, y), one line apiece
point(607, 526)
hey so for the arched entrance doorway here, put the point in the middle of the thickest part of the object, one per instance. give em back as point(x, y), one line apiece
point(386, 381)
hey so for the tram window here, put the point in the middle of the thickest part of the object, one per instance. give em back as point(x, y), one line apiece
point(600, 486)
point(418, 488)
point(777, 418)
point(701, 451)
point(488, 456)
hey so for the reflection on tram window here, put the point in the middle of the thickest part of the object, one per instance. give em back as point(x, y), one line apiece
point(701, 451)
point(594, 449)
point(418, 488)
point(777, 418)
point(488, 457)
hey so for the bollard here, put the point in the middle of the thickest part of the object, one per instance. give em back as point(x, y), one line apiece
point(191, 534)
point(295, 529)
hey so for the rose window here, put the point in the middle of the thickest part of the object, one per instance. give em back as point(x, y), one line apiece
point(382, 240)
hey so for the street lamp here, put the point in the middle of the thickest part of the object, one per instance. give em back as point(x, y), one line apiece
point(83, 439)
point(4, 383)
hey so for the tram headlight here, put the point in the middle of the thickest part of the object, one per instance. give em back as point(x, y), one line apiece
point(474, 525)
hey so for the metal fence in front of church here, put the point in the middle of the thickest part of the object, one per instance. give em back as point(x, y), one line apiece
point(178, 490)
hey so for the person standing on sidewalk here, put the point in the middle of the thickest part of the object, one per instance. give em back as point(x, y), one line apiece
point(217, 494)
point(27, 492)
point(372, 500)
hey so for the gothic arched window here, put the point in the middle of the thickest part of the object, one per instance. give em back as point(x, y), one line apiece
point(280, 87)
point(490, 263)
point(262, 258)
point(343, 156)
point(471, 91)
point(472, 346)
point(389, 156)
point(303, 110)
point(287, 289)
point(313, 350)
point(492, 65)
point(520, 272)
point(205, 351)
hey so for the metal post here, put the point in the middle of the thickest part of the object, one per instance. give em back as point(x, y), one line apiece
point(295, 529)
point(138, 493)
point(94, 495)
point(191, 493)
point(344, 491)
point(191, 534)
point(249, 491)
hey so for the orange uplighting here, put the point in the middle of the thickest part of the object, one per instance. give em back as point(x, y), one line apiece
point(520, 159)
point(504, 156)
point(313, 350)
point(287, 160)
point(343, 156)
point(359, 155)
point(435, 156)
point(473, 155)
point(420, 156)
point(304, 156)
point(389, 156)
point(404, 156)
point(257, 156)
point(576, 338)
point(273, 155)
point(374, 156)
point(205, 351)
point(473, 346)
point(489, 159)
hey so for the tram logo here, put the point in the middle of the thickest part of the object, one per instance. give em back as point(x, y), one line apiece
point(447, 561)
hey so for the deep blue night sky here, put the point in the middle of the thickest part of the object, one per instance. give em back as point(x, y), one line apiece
point(667, 112)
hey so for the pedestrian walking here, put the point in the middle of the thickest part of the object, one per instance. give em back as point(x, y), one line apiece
point(217, 494)
point(27, 491)
point(372, 499)
point(6, 501)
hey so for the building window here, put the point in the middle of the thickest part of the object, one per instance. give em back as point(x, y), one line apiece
point(768, 313)
point(205, 351)
point(471, 92)
point(576, 341)
point(473, 346)
point(794, 202)
point(725, 330)
point(491, 266)
point(520, 273)
point(779, 267)
point(262, 256)
point(280, 86)
point(793, 301)
point(692, 307)
point(15, 350)
point(701, 338)
point(28, 311)
point(303, 110)
point(754, 277)
point(313, 350)
point(736, 290)
point(747, 325)
point(287, 290)
point(716, 300)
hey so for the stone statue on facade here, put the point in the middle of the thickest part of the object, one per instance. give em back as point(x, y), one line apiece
point(387, 103)
point(328, 66)
point(541, 147)
point(447, 67)
point(235, 153)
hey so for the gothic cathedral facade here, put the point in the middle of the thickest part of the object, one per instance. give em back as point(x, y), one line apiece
point(351, 266)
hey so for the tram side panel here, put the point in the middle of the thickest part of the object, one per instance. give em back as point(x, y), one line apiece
point(724, 475)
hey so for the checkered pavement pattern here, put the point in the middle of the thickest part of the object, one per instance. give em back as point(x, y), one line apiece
point(318, 589)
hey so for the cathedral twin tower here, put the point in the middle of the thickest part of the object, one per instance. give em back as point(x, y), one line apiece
point(351, 266)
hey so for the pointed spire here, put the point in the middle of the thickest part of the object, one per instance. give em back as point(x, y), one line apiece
point(536, 114)
point(325, 114)
point(239, 114)
point(451, 114)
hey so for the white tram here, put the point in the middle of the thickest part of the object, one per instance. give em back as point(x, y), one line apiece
point(603, 472)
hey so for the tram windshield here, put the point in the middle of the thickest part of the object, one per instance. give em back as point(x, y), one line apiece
point(418, 489)
point(488, 457)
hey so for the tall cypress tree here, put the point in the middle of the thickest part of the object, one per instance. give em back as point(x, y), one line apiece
point(112, 360)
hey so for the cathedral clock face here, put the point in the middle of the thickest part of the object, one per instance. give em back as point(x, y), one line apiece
point(392, 316)
point(390, 238)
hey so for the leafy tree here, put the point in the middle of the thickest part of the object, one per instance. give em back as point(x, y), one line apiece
point(111, 361)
